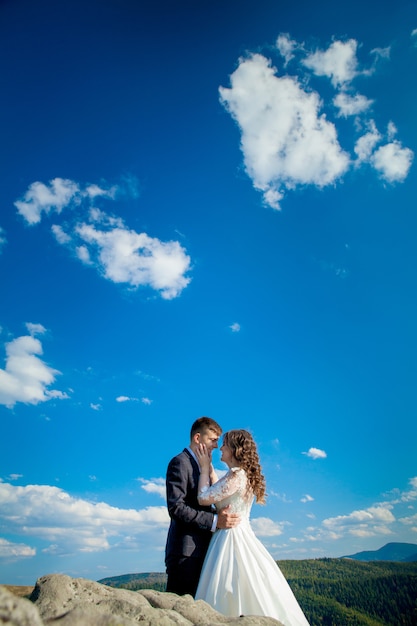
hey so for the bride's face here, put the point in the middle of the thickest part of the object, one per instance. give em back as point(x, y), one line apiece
point(227, 455)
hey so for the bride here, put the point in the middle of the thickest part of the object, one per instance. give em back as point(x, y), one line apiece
point(239, 576)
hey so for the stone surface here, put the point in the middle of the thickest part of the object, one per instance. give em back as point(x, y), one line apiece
point(61, 600)
point(17, 611)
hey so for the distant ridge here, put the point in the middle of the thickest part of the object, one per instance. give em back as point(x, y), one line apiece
point(154, 580)
point(402, 552)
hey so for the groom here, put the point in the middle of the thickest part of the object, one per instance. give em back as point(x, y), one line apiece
point(191, 524)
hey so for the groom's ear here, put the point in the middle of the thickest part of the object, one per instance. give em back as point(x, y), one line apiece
point(196, 438)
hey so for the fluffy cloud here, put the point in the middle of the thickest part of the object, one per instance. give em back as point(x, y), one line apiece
point(392, 161)
point(286, 47)
point(400, 497)
point(103, 241)
point(365, 144)
point(265, 527)
point(287, 139)
point(52, 515)
point(351, 105)
point(9, 550)
point(125, 256)
point(338, 62)
point(41, 198)
point(316, 453)
point(363, 523)
point(26, 378)
point(156, 485)
point(3, 239)
point(382, 519)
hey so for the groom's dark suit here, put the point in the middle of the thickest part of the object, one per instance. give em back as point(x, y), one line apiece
point(190, 529)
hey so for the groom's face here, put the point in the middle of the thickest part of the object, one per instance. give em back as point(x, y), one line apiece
point(210, 438)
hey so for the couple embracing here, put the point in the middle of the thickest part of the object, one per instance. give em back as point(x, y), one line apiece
point(212, 552)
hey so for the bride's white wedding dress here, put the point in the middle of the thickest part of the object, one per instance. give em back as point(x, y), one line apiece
point(239, 576)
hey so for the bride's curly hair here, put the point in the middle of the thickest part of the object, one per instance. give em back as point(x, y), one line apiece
point(244, 450)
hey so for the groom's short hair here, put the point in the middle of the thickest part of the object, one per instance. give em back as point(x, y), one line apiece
point(202, 424)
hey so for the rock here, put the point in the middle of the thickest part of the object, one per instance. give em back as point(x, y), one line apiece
point(17, 611)
point(59, 599)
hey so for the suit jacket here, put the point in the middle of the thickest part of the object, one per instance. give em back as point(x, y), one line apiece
point(190, 529)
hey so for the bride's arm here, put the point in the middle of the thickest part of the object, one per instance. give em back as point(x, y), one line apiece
point(213, 476)
point(207, 473)
point(223, 488)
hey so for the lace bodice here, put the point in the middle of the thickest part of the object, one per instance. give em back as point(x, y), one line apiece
point(230, 489)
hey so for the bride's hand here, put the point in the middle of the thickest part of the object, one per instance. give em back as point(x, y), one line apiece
point(203, 456)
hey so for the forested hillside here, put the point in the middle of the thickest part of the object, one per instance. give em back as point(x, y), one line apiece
point(334, 592)
point(338, 592)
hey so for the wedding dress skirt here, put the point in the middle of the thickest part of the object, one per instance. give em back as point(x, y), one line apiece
point(239, 576)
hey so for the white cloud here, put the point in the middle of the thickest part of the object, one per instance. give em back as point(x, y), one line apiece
point(286, 47)
point(155, 485)
point(391, 130)
point(370, 521)
point(393, 161)
point(60, 235)
point(365, 145)
point(10, 550)
point(235, 328)
point(101, 240)
point(125, 256)
point(144, 400)
point(3, 239)
point(288, 139)
point(338, 62)
point(51, 514)
point(351, 104)
point(123, 399)
point(83, 255)
point(26, 378)
point(408, 495)
point(266, 527)
point(41, 198)
point(307, 498)
point(281, 496)
point(408, 520)
point(285, 141)
point(94, 191)
point(316, 453)
point(382, 53)
point(35, 329)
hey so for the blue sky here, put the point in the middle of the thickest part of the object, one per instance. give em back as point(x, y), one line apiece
point(207, 208)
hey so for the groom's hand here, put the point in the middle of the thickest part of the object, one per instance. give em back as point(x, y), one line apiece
point(227, 519)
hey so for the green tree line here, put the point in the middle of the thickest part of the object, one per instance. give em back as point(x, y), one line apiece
point(333, 592)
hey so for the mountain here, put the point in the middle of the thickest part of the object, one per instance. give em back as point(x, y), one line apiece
point(148, 580)
point(403, 552)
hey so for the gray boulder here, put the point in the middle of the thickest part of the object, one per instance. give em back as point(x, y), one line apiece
point(17, 611)
point(59, 599)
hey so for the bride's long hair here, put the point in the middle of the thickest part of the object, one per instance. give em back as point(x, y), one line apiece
point(244, 450)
